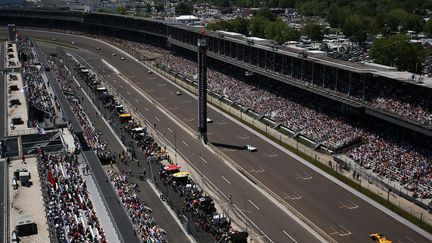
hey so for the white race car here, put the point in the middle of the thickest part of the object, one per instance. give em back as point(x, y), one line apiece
point(209, 120)
point(251, 148)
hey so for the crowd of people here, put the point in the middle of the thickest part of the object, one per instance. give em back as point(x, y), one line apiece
point(386, 153)
point(408, 102)
point(91, 136)
point(138, 212)
point(284, 105)
point(35, 87)
point(25, 49)
point(136, 209)
point(69, 208)
point(398, 161)
point(382, 150)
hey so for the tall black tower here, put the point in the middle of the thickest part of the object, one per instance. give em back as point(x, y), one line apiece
point(202, 87)
point(12, 32)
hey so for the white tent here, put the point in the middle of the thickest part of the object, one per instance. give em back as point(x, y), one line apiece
point(186, 19)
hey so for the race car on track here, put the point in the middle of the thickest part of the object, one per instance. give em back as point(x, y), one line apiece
point(251, 148)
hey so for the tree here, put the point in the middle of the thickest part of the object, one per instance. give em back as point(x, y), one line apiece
point(239, 25)
point(428, 27)
point(257, 26)
point(148, 7)
point(280, 32)
point(398, 51)
point(394, 19)
point(121, 10)
point(160, 7)
point(104, 10)
point(183, 9)
point(356, 27)
point(313, 31)
point(413, 22)
point(313, 7)
point(266, 13)
point(221, 3)
point(219, 25)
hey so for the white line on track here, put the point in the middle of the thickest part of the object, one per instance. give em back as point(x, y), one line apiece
point(292, 238)
point(145, 108)
point(205, 161)
point(185, 144)
point(137, 101)
point(157, 118)
point(254, 205)
point(169, 129)
point(226, 180)
point(128, 92)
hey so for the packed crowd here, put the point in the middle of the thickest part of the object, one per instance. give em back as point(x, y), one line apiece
point(408, 102)
point(148, 230)
point(90, 134)
point(69, 208)
point(25, 49)
point(411, 103)
point(35, 87)
point(381, 150)
point(312, 117)
point(281, 104)
point(136, 209)
point(36, 91)
point(410, 166)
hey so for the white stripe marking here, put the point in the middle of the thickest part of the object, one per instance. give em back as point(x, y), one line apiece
point(137, 100)
point(170, 130)
point(157, 118)
point(204, 160)
point(226, 180)
point(289, 236)
point(185, 144)
point(254, 205)
point(145, 108)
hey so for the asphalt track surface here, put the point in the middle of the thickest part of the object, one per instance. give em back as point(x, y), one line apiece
point(339, 213)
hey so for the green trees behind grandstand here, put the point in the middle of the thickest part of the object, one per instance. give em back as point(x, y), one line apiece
point(386, 17)
point(264, 24)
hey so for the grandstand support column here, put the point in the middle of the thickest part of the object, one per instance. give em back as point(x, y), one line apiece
point(202, 88)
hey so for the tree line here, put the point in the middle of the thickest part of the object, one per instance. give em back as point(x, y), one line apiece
point(267, 25)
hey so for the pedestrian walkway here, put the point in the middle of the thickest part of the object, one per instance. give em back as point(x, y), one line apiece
point(99, 206)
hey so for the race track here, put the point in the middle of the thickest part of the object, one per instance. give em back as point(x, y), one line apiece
point(338, 212)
